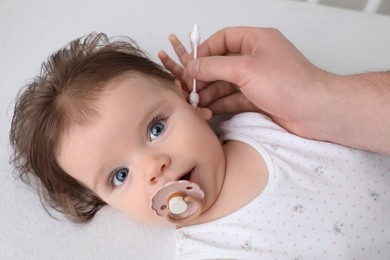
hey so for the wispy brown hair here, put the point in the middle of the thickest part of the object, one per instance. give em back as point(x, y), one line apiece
point(64, 93)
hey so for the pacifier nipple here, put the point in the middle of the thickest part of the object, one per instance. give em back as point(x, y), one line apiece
point(177, 205)
point(178, 201)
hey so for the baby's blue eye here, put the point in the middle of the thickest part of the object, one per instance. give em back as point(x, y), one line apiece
point(156, 129)
point(119, 176)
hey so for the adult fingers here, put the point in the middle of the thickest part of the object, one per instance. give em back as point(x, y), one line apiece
point(234, 103)
point(234, 69)
point(179, 49)
point(238, 40)
point(214, 91)
point(177, 70)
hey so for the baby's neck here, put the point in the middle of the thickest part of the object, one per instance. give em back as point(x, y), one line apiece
point(245, 178)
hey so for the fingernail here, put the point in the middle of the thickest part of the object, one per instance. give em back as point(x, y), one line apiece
point(193, 68)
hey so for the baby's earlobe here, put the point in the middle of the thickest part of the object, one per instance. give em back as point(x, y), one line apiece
point(205, 112)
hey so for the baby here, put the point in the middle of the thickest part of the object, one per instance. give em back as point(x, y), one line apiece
point(103, 124)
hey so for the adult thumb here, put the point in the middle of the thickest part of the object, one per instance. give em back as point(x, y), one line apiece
point(215, 68)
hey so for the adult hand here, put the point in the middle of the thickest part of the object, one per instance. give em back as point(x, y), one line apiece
point(274, 76)
point(215, 94)
point(267, 69)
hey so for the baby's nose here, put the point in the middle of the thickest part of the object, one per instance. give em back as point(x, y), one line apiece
point(154, 167)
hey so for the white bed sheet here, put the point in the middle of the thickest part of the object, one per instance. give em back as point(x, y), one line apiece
point(337, 40)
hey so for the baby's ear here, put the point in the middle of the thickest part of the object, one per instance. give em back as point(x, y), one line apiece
point(205, 113)
point(181, 89)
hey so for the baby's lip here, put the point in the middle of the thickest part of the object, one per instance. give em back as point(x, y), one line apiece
point(193, 176)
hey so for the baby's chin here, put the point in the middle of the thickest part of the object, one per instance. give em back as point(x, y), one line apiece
point(163, 222)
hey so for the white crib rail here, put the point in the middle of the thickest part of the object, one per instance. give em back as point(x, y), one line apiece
point(371, 6)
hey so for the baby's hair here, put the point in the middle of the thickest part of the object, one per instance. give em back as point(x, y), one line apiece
point(63, 94)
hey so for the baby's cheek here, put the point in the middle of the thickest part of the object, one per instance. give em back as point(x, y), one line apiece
point(143, 214)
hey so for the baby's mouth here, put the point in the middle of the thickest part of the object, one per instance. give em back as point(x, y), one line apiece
point(187, 176)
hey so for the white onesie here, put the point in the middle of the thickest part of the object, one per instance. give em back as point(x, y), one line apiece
point(322, 201)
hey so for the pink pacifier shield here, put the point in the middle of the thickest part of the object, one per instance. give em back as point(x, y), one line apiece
point(182, 189)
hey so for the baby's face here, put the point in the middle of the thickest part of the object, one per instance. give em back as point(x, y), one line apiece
point(144, 135)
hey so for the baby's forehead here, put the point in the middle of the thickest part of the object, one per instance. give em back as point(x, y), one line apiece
point(85, 108)
point(135, 77)
point(139, 79)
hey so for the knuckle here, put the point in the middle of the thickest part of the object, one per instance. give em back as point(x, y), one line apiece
point(273, 33)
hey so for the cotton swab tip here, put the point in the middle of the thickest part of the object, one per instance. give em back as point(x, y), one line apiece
point(194, 99)
point(195, 35)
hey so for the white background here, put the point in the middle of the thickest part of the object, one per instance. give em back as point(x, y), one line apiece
point(338, 40)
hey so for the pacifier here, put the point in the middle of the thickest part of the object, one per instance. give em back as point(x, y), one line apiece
point(178, 201)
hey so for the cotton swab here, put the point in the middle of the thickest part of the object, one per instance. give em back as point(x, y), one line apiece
point(195, 40)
